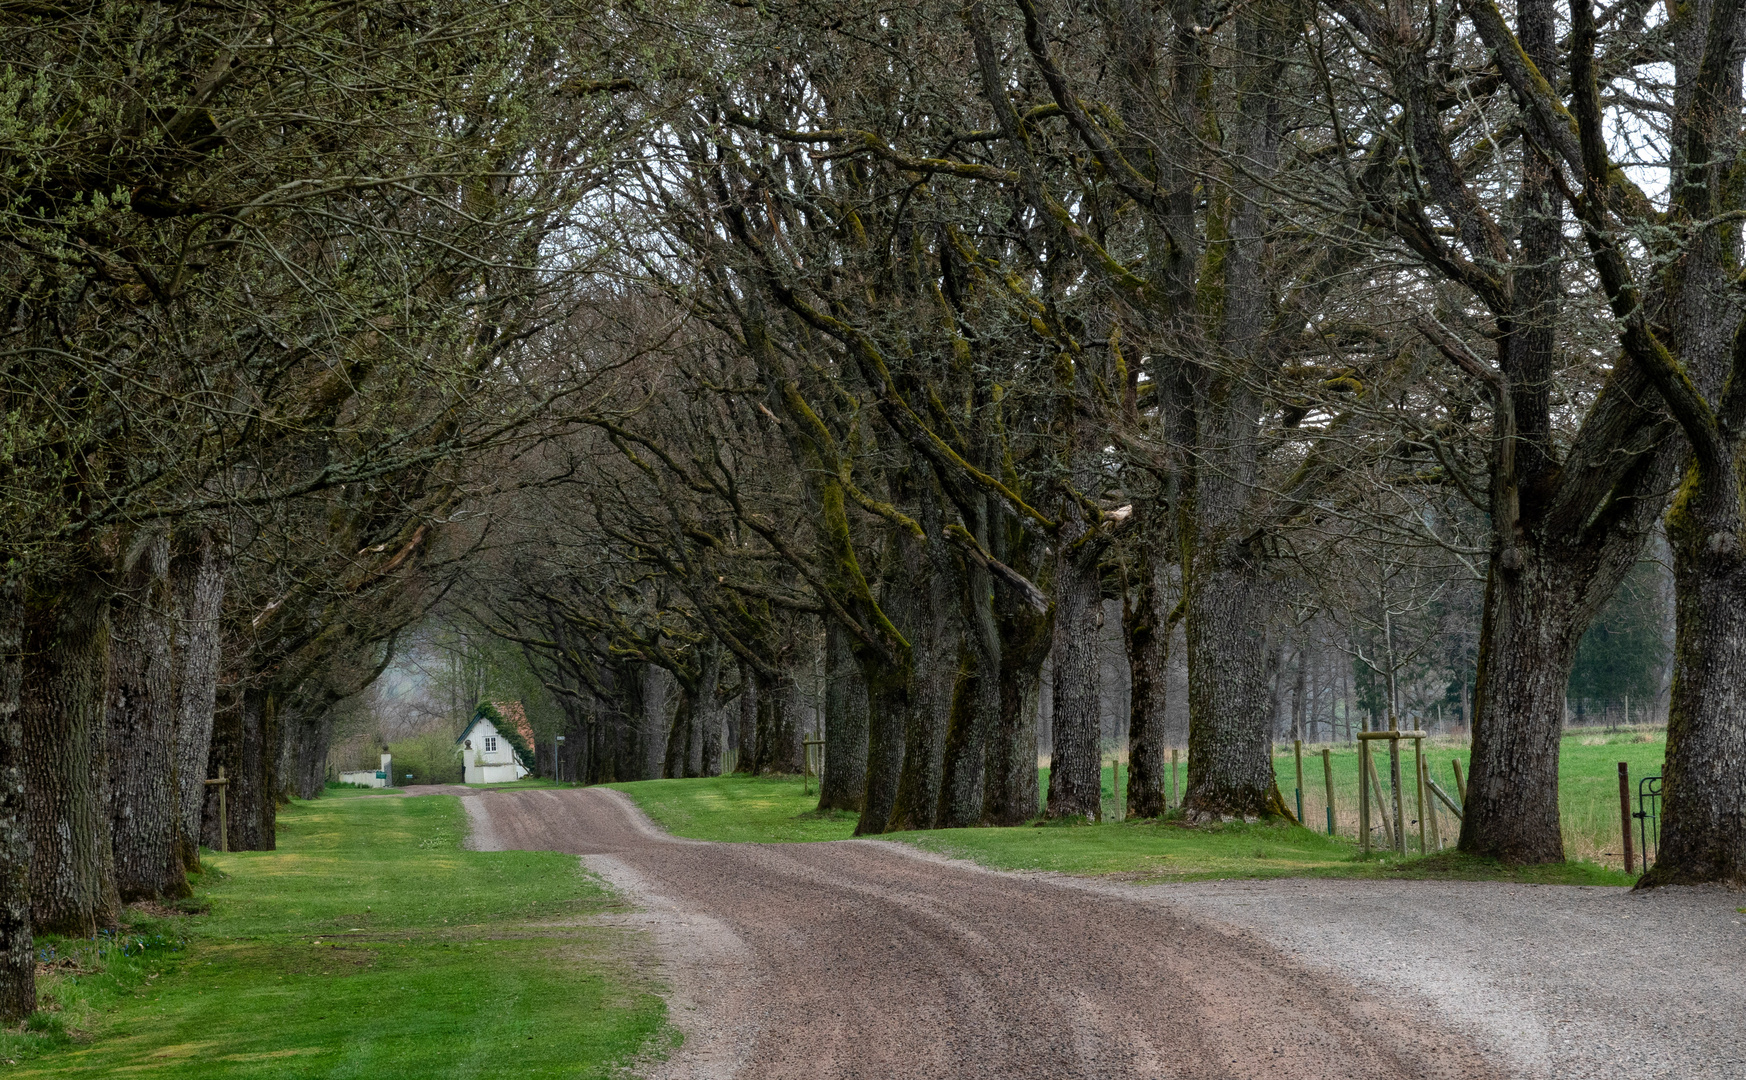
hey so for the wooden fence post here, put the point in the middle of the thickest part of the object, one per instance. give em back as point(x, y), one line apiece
point(1430, 807)
point(1328, 775)
point(1363, 796)
point(1175, 788)
point(223, 816)
point(1374, 791)
point(1297, 752)
point(1460, 782)
point(1394, 784)
point(1625, 814)
point(1419, 788)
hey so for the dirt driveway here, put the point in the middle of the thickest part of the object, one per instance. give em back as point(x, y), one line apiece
point(860, 960)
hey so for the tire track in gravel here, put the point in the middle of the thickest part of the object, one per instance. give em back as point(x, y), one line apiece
point(856, 959)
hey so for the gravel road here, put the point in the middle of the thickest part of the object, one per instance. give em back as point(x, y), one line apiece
point(862, 959)
point(1565, 983)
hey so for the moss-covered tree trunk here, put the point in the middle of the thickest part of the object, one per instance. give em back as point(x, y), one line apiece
point(844, 784)
point(1230, 748)
point(679, 734)
point(1703, 823)
point(306, 764)
point(975, 705)
point(709, 721)
point(746, 726)
point(66, 667)
point(1076, 757)
point(890, 698)
point(1010, 795)
point(144, 810)
point(197, 567)
point(1533, 621)
point(1146, 627)
point(931, 618)
point(779, 734)
point(17, 949)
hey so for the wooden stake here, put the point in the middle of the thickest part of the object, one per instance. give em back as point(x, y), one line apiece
point(1460, 784)
point(223, 818)
point(1364, 796)
point(1625, 814)
point(1394, 786)
point(1430, 808)
point(1376, 793)
point(1175, 788)
point(1419, 788)
point(1297, 751)
point(1328, 775)
point(1437, 790)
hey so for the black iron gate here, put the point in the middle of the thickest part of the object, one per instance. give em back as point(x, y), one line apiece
point(1648, 817)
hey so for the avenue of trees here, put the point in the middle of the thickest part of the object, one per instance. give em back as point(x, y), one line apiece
point(742, 371)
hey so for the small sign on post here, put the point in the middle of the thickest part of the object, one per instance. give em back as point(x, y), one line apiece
point(223, 818)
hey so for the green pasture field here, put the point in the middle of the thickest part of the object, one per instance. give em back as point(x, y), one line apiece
point(369, 945)
point(1588, 784)
point(776, 810)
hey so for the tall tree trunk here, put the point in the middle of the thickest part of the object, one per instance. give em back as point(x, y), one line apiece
point(66, 668)
point(892, 678)
point(143, 804)
point(197, 586)
point(1230, 759)
point(1010, 795)
point(1076, 760)
point(778, 738)
point(1703, 823)
point(1147, 628)
point(294, 718)
point(245, 741)
point(678, 739)
point(890, 698)
point(701, 706)
point(710, 718)
point(1528, 637)
point(975, 709)
point(844, 783)
point(308, 765)
point(930, 616)
point(746, 760)
point(652, 723)
point(975, 701)
point(17, 948)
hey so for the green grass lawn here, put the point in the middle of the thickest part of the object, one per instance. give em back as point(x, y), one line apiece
point(368, 945)
point(1150, 851)
point(739, 809)
point(776, 810)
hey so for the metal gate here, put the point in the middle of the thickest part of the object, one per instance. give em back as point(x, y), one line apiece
point(1648, 817)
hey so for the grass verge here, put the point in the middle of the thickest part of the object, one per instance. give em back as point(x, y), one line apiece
point(1154, 851)
point(368, 945)
point(739, 809)
point(765, 809)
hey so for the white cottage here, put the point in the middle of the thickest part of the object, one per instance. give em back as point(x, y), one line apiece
point(486, 756)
